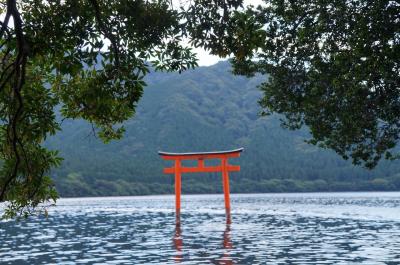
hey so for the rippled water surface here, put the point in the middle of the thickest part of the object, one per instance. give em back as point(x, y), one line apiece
point(326, 228)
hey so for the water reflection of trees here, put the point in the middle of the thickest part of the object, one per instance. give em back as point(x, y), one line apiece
point(226, 243)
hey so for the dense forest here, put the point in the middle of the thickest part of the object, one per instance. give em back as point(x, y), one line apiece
point(202, 110)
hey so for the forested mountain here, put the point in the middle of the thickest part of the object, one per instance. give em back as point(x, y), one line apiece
point(202, 110)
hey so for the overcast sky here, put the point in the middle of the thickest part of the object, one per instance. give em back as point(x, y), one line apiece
point(205, 59)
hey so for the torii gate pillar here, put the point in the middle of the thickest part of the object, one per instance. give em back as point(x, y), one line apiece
point(224, 167)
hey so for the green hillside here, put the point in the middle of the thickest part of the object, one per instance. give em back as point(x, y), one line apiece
point(201, 110)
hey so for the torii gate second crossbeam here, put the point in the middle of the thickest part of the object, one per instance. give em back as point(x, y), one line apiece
point(178, 169)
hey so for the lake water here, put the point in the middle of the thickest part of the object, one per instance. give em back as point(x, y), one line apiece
point(313, 228)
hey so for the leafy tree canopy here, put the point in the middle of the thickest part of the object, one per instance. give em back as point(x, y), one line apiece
point(334, 66)
point(89, 57)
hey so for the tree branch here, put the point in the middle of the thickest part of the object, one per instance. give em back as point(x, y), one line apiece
point(19, 81)
point(5, 22)
point(104, 30)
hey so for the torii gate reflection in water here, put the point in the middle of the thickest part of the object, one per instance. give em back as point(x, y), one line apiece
point(226, 244)
point(224, 167)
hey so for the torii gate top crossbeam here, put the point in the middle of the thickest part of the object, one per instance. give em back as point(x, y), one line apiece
point(201, 156)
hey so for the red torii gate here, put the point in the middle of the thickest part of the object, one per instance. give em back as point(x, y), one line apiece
point(178, 169)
